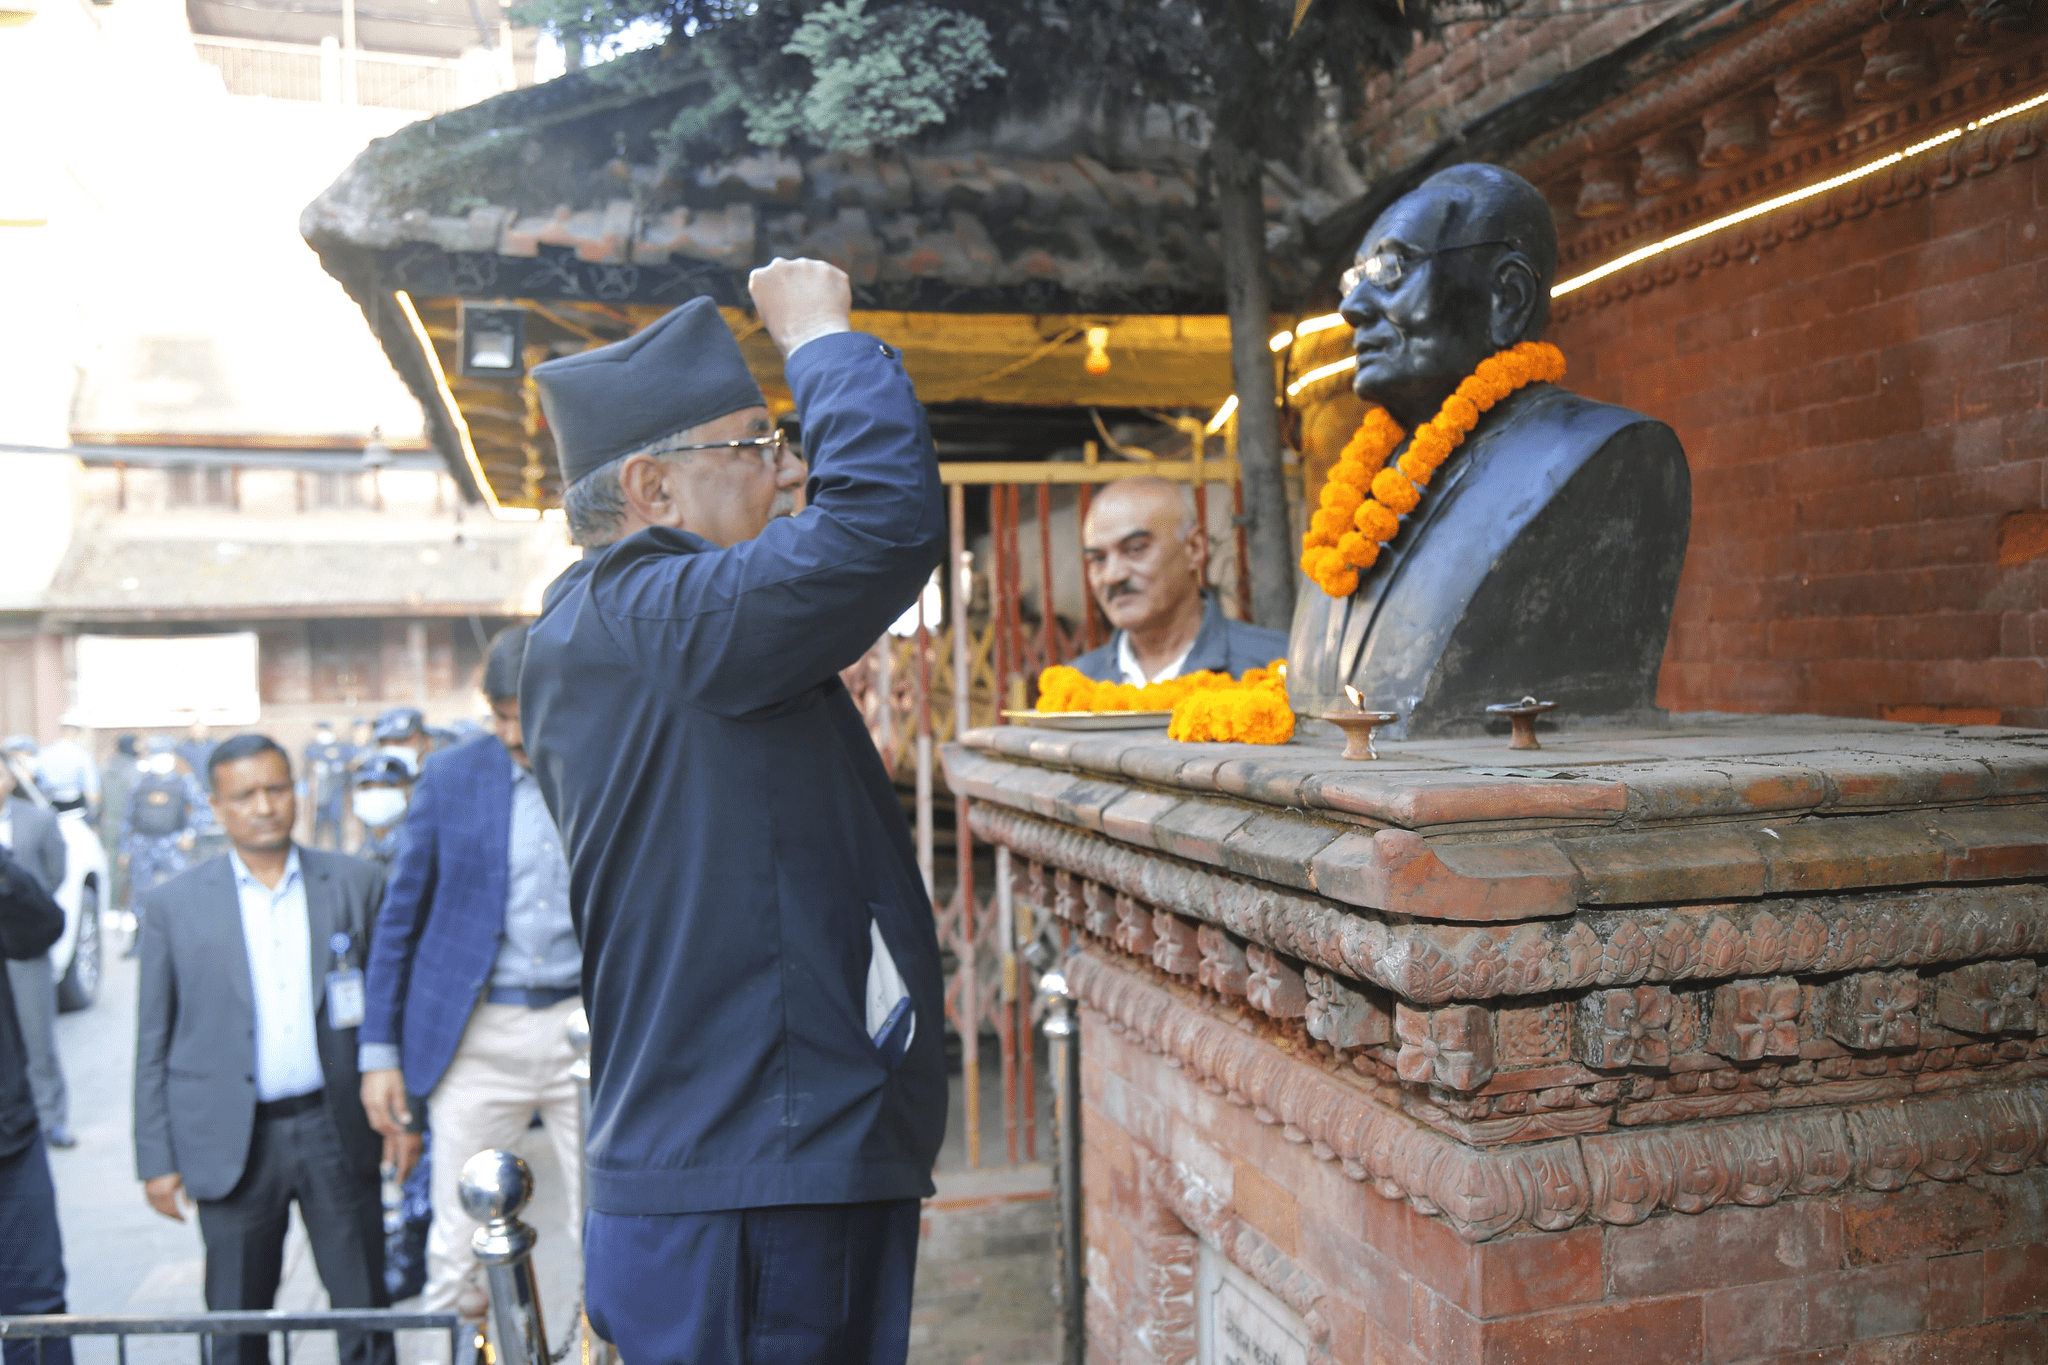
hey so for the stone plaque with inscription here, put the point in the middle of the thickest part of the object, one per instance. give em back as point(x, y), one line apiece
point(1242, 1323)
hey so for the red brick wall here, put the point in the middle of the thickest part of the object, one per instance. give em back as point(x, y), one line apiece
point(1473, 67)
point(1933, 1273)
point(1865, 410)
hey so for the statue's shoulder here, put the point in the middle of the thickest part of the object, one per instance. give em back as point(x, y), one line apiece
point(1568, 424)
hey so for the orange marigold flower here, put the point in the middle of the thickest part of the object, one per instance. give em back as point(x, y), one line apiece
point(1393, 489)
point(1350, 472)
point(1342, 498)
point(1461, 414)
point(1328, 521)
point(1376, 522)
point(1357, 551)
point(1416, 469)
point(1430, 450)
point(1341, 584)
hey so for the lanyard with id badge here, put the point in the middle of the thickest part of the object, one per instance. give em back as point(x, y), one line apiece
point(344, 987)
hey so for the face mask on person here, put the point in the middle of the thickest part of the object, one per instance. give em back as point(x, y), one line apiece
point(379, 806)
point(161, 764)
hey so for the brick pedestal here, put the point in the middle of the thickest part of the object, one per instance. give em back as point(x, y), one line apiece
point(1938, 1271)
point(1725, 1043)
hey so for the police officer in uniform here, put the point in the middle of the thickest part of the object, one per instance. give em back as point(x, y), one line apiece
point(383, 789)
point(167, 811)
point(328, 759)
point(404, 727)
point(759, 960)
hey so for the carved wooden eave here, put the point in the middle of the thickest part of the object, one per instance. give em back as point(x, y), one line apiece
point(1774, 957)
point(984, 253)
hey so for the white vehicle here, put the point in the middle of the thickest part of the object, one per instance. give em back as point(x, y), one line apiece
point(75, 957)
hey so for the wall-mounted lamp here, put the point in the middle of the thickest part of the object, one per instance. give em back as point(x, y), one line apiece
point(493, 340)
point(1097, 361)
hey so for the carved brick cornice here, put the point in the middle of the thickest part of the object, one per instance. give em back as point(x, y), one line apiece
point(1812, 91)
point(1933, 172)
point(1619, 1177)
point(1434, 964)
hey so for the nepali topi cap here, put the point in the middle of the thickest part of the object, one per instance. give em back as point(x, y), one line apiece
point(678, 372)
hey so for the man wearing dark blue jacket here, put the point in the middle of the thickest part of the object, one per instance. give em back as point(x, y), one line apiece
point(473, 974)
point(760, 965)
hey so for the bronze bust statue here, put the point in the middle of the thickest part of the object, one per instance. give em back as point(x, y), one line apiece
point(1544, 555)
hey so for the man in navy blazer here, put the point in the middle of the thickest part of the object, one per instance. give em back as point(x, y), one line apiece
point(766, 1010)
point(474, 973)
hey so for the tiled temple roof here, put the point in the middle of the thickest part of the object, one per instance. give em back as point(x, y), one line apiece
point(557, 192)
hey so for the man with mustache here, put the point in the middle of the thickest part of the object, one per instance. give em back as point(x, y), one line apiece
point(767, 1019)
point(1147, 562)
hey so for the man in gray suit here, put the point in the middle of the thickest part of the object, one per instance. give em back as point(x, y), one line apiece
point(38, 845)
point(245, 1062)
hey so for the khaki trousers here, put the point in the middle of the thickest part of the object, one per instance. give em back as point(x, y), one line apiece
point(510, 1062)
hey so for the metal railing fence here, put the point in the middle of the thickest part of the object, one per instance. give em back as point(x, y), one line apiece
point(985, 658)
point(205, 1326)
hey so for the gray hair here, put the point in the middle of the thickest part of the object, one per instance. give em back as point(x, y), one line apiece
point(596, 503)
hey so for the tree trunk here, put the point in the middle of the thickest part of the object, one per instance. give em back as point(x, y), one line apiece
point(1240, 195)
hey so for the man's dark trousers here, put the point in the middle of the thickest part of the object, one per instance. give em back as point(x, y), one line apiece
point(296, 1155)
point(815, 1284)
point(31, 1252)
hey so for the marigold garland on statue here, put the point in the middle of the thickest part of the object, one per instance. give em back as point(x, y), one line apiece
point(1206, 706)
point(1364, 498)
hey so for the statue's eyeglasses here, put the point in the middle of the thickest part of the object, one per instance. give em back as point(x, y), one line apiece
point(1384, 269)
point(771, 447)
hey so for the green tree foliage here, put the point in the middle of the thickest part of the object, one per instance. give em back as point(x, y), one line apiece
point(874, 77)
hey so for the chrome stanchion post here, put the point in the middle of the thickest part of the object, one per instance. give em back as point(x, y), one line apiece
point(579, 1070)
point(496, 1185)
point(1063, 1045)
point(596, 1350)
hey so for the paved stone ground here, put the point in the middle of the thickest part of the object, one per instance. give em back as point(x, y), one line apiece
point(984, 1276)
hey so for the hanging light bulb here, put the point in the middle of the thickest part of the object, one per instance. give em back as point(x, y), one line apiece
point(1098, 352)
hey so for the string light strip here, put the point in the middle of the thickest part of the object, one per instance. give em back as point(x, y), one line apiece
point(1282, 339)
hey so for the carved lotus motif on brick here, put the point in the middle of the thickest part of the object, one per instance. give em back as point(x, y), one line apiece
point(1066, 897)
point(1627, 952)
point(1676, 946)
point(1806, 942)
point(1174, 949)
point(1989, 997)
point(1273, 986)
point(1098, 910)
point(1133, 927)
point(1223, 967)
point(1624, 1028)
point(1341, 1014)
point(1755, 1019)
point(1874, 1010)
point(1451, 1047)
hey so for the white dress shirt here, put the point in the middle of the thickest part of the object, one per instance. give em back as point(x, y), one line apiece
point(275, 933)
point(1134, 672)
